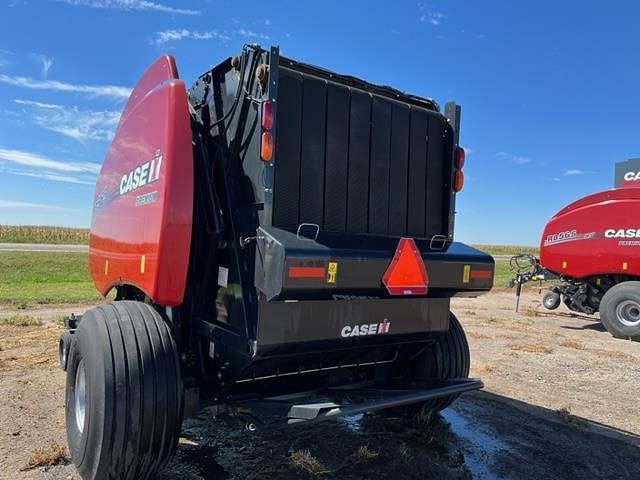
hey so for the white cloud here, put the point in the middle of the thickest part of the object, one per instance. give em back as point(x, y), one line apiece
point(573, 172)
point(181, 34)
point(72, 121)
point(98, 90)
point(47, 63)
point(434, 18)
point(49, 176)
point(131, 5)
point(251, 34)
point(175, 35)
point(36, 160)
point(517, 159)
point(4, 61)
point(14, 204)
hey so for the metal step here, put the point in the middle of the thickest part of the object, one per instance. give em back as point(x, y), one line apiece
point(345, 400)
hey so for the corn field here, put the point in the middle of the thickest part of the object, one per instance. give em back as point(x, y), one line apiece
point(43, 234)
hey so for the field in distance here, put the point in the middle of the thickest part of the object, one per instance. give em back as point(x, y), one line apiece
point(43, 234)
point(80, 236)
point(31, 278)
point(43, 277)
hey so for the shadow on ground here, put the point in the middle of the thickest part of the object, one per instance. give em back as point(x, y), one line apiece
point(482, 436)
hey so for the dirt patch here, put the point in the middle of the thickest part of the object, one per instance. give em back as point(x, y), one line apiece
point(532, 347)
point(570, 412)
point(53, 454)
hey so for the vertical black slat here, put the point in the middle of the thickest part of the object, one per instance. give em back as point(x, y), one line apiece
point(399, 169)
point(417, 172)
point(314, 103)
point(358, 168)
point(379, 169)
point(335, 186)
point(435, 176)
point(286, 182)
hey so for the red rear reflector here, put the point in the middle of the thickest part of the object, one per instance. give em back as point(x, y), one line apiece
point(460, 157)
point(458, 181)
point(481, 274)
point(306, 272)
point(406, 274)
point(266, 147)
point(267, 115)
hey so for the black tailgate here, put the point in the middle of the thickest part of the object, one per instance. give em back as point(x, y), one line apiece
point(358, 158)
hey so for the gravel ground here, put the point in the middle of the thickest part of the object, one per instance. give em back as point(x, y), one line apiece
point(560, 402)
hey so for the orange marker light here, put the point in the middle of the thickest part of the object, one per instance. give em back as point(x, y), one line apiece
point(458, 181)
point(266, 146)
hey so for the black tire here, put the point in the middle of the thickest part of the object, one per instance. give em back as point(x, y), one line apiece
point(448, 357)
point(64, 347)
point(127, 357)
point(551, 300)
point(620, 310)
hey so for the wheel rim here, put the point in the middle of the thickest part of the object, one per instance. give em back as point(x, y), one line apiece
point(80, 396)
point(628, 313)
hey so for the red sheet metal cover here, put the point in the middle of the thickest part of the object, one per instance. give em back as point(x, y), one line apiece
point(143, 205)
point(595, 235)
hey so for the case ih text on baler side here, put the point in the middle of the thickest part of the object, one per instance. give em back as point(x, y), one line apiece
point(280, 239)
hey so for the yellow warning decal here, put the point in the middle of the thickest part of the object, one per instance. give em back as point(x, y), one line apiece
point(332, 271)
point(466, 273)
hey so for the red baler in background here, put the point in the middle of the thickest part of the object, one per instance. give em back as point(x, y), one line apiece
point(593, 245)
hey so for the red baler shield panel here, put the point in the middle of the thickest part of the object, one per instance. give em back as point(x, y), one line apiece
point(406, 274)
point(143, 205)
point(595, 235)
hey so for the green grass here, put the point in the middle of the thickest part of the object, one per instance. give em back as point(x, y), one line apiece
point(507, 249)
point(43, 234)
point(502, 274)
point(21, 321)
point(28, 278)
point(44, 277)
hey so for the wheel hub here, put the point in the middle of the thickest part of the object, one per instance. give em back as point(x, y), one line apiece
point(80, 396)
point(628, 313)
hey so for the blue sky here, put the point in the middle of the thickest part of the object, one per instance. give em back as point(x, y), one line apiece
point(549, 90)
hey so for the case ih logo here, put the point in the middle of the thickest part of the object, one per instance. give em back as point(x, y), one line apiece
point(143, 174)
point(366, 329)
point(622, 233)
point(631, 176)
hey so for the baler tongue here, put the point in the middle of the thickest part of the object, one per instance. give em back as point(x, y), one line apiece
point(406, 274)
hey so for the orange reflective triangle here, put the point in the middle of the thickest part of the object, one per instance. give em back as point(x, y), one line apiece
point(406, 274)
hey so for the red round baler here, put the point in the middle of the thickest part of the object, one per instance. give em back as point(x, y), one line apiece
point(593, 245)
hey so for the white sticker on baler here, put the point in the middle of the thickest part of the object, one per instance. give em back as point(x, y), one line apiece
point(223, 276)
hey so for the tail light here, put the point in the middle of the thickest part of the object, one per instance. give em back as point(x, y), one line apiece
point(266, 141)
point(267, 115)
point(460, 157)
point(266, 146)
point(458, 176)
